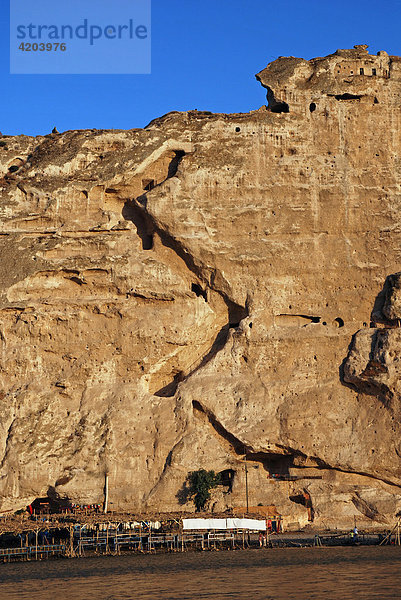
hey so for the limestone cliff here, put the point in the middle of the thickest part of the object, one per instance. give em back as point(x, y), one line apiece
point(210, 287)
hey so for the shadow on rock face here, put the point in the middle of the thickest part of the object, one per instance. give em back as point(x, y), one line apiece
point(372, 364)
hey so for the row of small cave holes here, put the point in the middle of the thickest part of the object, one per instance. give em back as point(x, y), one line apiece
point(293, 150)
point(196, 288)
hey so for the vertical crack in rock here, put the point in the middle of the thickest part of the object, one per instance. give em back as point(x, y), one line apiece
point(7, 443)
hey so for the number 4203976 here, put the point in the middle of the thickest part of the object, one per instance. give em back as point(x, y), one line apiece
point(41, 47)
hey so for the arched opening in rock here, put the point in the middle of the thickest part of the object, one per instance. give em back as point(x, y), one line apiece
point(276, 106)
point(227, 479)
point(312, 106)
point(15, 165)
point(48, 505)
point(280, 107)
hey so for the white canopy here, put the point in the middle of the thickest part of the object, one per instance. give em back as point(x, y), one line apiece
point(232, 523)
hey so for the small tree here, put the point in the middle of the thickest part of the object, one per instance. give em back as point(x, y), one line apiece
point(200, 483)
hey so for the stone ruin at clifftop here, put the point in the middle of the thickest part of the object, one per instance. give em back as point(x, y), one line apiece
point(175, 297)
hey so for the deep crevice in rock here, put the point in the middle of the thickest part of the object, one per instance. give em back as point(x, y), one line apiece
point(321, 464)
point(136, 211)
point(144, 226)
point(367, 509)
point(275, 462)
point(175, 163)
point(170, 389)
point(237, 446)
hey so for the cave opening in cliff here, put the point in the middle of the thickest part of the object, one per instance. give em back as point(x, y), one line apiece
point(312, 106)
point(277, 465)
point(227, 479)
point(144, 227)
point(276, 106)
point(280, 107)
point(175, 162)
point(51, 504)
point(347, 96)
point(200, 293)
point(236, 313)
point(288, 319)
point(339, 321)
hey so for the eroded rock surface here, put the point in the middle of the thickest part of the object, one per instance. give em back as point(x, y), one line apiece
point(176, 297)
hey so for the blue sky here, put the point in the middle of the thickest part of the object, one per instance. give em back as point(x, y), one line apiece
point(205, 54)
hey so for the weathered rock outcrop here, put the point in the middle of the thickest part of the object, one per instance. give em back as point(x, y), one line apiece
point(176, 297)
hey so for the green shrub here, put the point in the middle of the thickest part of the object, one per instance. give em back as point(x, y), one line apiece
point(199, 485)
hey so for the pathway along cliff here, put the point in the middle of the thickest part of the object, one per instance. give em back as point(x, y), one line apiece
point(208, 289)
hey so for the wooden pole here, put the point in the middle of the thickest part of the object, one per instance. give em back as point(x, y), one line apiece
point(106, 492)
point(388, 536)
point(150, 538)
point(246, 484)
point(182, 537)
point(71, 542)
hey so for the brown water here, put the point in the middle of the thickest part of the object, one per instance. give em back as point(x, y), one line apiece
point(279, 574)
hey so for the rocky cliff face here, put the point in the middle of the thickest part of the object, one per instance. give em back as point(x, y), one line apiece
point(210, 287)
